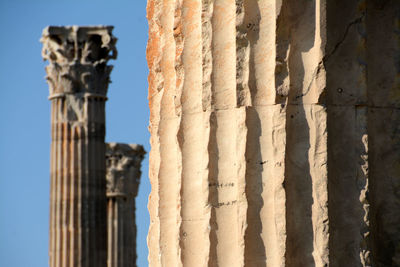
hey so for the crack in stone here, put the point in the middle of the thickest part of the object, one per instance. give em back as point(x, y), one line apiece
point(354, 22)
point(326, 57)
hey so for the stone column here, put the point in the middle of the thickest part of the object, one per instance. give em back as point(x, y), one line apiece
point(263, 115)
point(78, 77)
point(123, 178)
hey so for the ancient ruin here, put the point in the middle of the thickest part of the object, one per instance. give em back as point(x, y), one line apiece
point(123, 176)
point(78, 77)
point(81, 234)
point(274, 132)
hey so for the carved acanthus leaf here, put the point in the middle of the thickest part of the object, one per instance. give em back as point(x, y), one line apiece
point(123, 169)
point(78, 58)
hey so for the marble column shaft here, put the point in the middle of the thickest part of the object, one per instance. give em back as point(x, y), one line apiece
point(275, 134)
point(78, 77)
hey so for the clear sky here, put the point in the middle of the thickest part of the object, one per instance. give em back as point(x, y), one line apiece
point(25, 114)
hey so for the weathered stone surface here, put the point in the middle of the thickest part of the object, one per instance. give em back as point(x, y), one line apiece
point(78, 77)
point(348, 186)
point(383, 53)
point(273, 133)
point(123, 177)
point(345, 53)
point(384, 168)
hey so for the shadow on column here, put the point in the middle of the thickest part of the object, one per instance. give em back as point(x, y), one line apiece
point(213, 191)
point(298, 179)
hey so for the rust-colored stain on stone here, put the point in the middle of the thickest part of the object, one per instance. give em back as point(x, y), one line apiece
point(294, 104)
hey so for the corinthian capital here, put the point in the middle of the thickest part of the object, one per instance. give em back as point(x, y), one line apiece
point(123, 169)
point(78, 59)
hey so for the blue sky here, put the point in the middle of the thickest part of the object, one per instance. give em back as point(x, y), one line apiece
point(25, 114)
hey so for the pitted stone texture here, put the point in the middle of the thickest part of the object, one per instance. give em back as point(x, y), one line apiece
point(273, 133)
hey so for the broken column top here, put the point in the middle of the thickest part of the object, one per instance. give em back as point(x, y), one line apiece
point(78, 58)
point(123, 169)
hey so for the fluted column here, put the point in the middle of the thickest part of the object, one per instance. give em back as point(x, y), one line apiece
point(123, 178)
point(274, 132)
point(78, 77)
